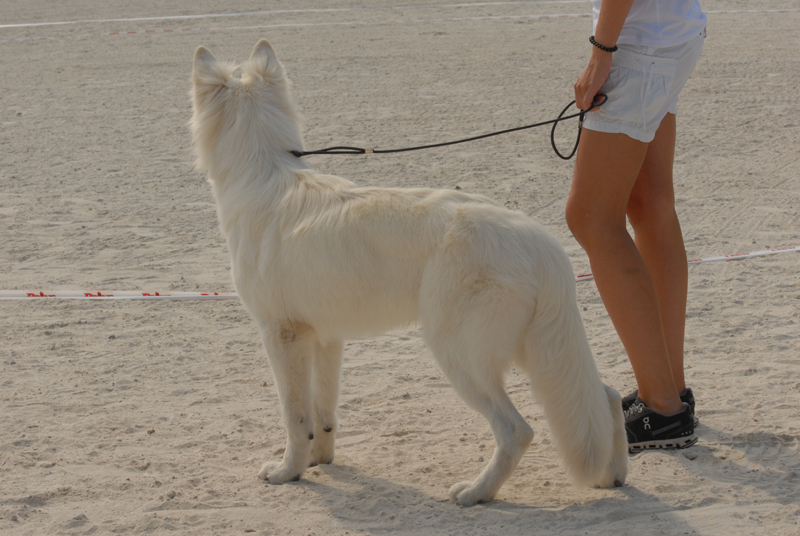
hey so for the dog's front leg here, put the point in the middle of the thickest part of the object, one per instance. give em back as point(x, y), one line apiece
point(290, 349)
point(327, 372)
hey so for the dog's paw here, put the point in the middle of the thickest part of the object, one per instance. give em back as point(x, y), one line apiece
point(322, 461)
point(278, 473)
point(615, 473)
point(467, 494)
point(322, 449)
point(611, 480)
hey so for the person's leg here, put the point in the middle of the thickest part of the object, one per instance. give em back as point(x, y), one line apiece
point(658, 237)
point(606, 170)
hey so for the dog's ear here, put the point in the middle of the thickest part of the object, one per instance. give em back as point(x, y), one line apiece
point(206, 70)
point(203, 58)
point(264, 59)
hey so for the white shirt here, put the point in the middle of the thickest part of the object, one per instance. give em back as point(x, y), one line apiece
point(659, 23)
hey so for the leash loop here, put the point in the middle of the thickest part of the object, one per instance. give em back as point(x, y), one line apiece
point(598, 101)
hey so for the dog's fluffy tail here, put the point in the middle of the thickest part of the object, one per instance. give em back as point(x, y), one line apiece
point(584, 415)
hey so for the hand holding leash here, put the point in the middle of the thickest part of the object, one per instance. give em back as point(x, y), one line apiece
point(592, 78)
point(598, 100)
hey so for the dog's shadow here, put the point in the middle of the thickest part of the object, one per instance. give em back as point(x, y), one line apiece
point(360, 502)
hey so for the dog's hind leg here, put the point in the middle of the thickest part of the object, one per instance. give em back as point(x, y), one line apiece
point(483, 391)
point(325, 386)
point(290, 348)
point(512, 436)
point(474, 360)
point(473, 323)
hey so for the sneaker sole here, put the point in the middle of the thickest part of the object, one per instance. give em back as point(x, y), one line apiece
point(663, 444)
point(695, 420)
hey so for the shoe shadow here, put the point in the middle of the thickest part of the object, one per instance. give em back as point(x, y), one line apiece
point(763, 461)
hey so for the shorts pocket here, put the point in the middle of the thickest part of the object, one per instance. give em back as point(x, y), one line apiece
point(638, 88)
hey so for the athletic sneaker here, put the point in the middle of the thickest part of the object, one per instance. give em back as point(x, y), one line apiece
point(686, 396)
point(650, 430)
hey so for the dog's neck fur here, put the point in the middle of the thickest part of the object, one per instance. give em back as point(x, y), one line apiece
point(255, 145)
point(254, 180)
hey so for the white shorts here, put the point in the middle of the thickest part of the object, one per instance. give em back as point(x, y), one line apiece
point(643, 86)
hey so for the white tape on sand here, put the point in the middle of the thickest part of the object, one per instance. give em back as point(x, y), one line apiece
point(357, 9)
point(732, 257)
point(287, 12)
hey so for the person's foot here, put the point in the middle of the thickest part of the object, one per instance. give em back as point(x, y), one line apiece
point(686, 396)
point(650, 430)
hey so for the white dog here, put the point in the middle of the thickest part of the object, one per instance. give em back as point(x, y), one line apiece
point(317, 259)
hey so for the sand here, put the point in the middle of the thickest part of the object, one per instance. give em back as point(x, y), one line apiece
point(133, 417)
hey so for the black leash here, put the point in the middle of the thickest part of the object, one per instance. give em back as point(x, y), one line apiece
point(599, 100)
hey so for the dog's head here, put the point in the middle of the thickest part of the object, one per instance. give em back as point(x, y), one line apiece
point(240, 111)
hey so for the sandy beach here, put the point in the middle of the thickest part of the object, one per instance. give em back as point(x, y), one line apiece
point(154, 417)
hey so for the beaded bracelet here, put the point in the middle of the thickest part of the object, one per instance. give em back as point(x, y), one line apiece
point(601, 47)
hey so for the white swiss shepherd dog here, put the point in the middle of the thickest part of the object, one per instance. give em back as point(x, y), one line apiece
point(317, 259)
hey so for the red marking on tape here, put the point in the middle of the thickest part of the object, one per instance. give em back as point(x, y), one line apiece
point(40, 295)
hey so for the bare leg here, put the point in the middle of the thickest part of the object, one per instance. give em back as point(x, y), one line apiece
point(651, 211)
point(605, 172)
